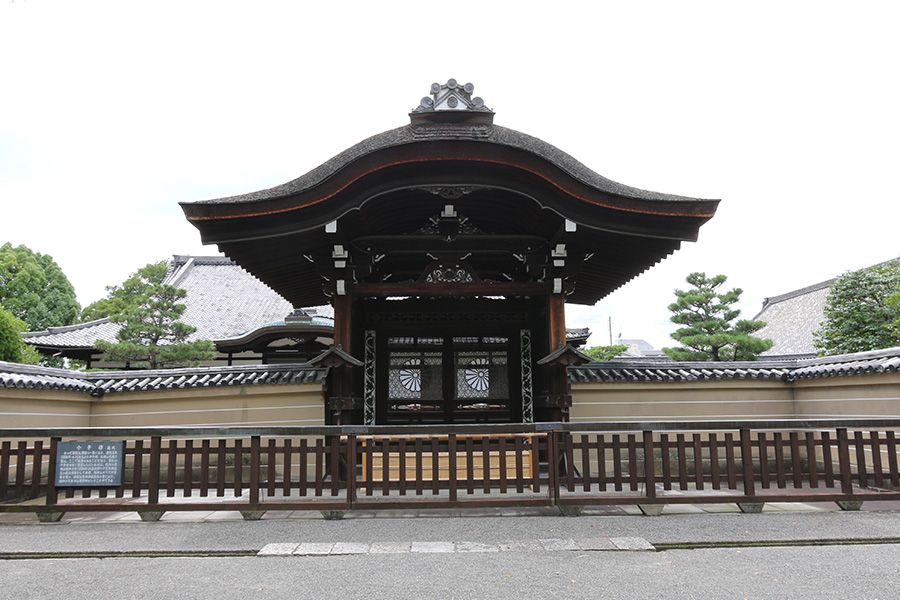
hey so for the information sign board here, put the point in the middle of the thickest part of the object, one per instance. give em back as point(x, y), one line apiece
point(89, 464)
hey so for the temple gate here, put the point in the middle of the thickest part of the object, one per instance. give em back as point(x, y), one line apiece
point(448, 248)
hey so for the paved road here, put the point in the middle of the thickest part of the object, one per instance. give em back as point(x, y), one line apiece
point(533, 558)
point(838, 572)
point(251, 536)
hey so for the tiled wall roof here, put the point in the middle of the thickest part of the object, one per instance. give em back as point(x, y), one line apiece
point(861, 363)
point(14, 375)
point(98, 383)
point(878, 361)
point(607, 372)
point(29, 377)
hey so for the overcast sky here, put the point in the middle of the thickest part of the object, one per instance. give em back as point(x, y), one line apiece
point(113, 112)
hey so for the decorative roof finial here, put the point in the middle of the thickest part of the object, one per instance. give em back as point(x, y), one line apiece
point(451, 96)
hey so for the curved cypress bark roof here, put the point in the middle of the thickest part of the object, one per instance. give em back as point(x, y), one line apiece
point(497, 135)
point(505, 181)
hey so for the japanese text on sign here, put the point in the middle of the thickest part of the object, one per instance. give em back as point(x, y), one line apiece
point(89, 464)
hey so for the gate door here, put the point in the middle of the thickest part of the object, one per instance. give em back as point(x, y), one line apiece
point(447, 379)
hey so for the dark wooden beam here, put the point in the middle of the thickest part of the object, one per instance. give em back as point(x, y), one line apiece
point(451, 289)
point(481, 244)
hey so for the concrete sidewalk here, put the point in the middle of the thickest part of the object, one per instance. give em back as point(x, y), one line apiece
point(415, 512)
point(470, 530)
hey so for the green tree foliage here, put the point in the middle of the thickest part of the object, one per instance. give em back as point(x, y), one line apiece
point(151, 334)
point(119, 299)
point(894, 303)
point(12, 347)
point(34, 289)
point(605, 352)
point(862, 311)
point(709, 330)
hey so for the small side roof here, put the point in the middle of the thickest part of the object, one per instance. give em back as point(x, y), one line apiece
point(78, 336)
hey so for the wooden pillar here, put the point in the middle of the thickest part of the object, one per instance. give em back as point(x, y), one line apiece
point(556, 408)
point(343, 324)
point(342, 381)
point(556, 320)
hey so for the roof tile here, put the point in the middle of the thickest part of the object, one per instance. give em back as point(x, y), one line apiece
point(878, 361)
point(98, 383)
point(17, 376)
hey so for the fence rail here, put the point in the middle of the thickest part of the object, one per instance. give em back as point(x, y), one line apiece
point(569, 465)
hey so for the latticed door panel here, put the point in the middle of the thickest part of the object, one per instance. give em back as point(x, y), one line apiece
point(482, 385)
point(415, 386)
point(446, 379)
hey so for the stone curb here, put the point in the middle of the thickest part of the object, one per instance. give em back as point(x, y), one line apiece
point(631, 544)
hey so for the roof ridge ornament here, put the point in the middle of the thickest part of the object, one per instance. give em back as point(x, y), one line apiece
point(453, 103)
point(451, 96)
point(298, 315)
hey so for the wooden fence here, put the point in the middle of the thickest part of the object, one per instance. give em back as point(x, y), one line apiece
point(569, 465)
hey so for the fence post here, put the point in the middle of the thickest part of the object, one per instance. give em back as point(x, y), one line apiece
point(451, 464)
point(52, 495)
point(747, 463)
point(351, 469)
point(254, 469)
point(747, 468)
point(562, 457)
point(552, 467)
point(649, 465)
point(651, 509)
point(49, 515)
point(5, 476)
point(152, 513)
point(846, 472)
point(844, 461)
point(553, 458)
point(37, 454)
point(252, 513)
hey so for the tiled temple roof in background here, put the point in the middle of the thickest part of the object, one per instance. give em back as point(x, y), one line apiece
point(792, 319)
point(223, 301)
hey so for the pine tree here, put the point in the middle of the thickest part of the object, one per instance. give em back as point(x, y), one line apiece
point(709, 330)
point(151, 334)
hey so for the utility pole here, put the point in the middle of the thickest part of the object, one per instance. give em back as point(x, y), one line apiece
point(610, 331)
